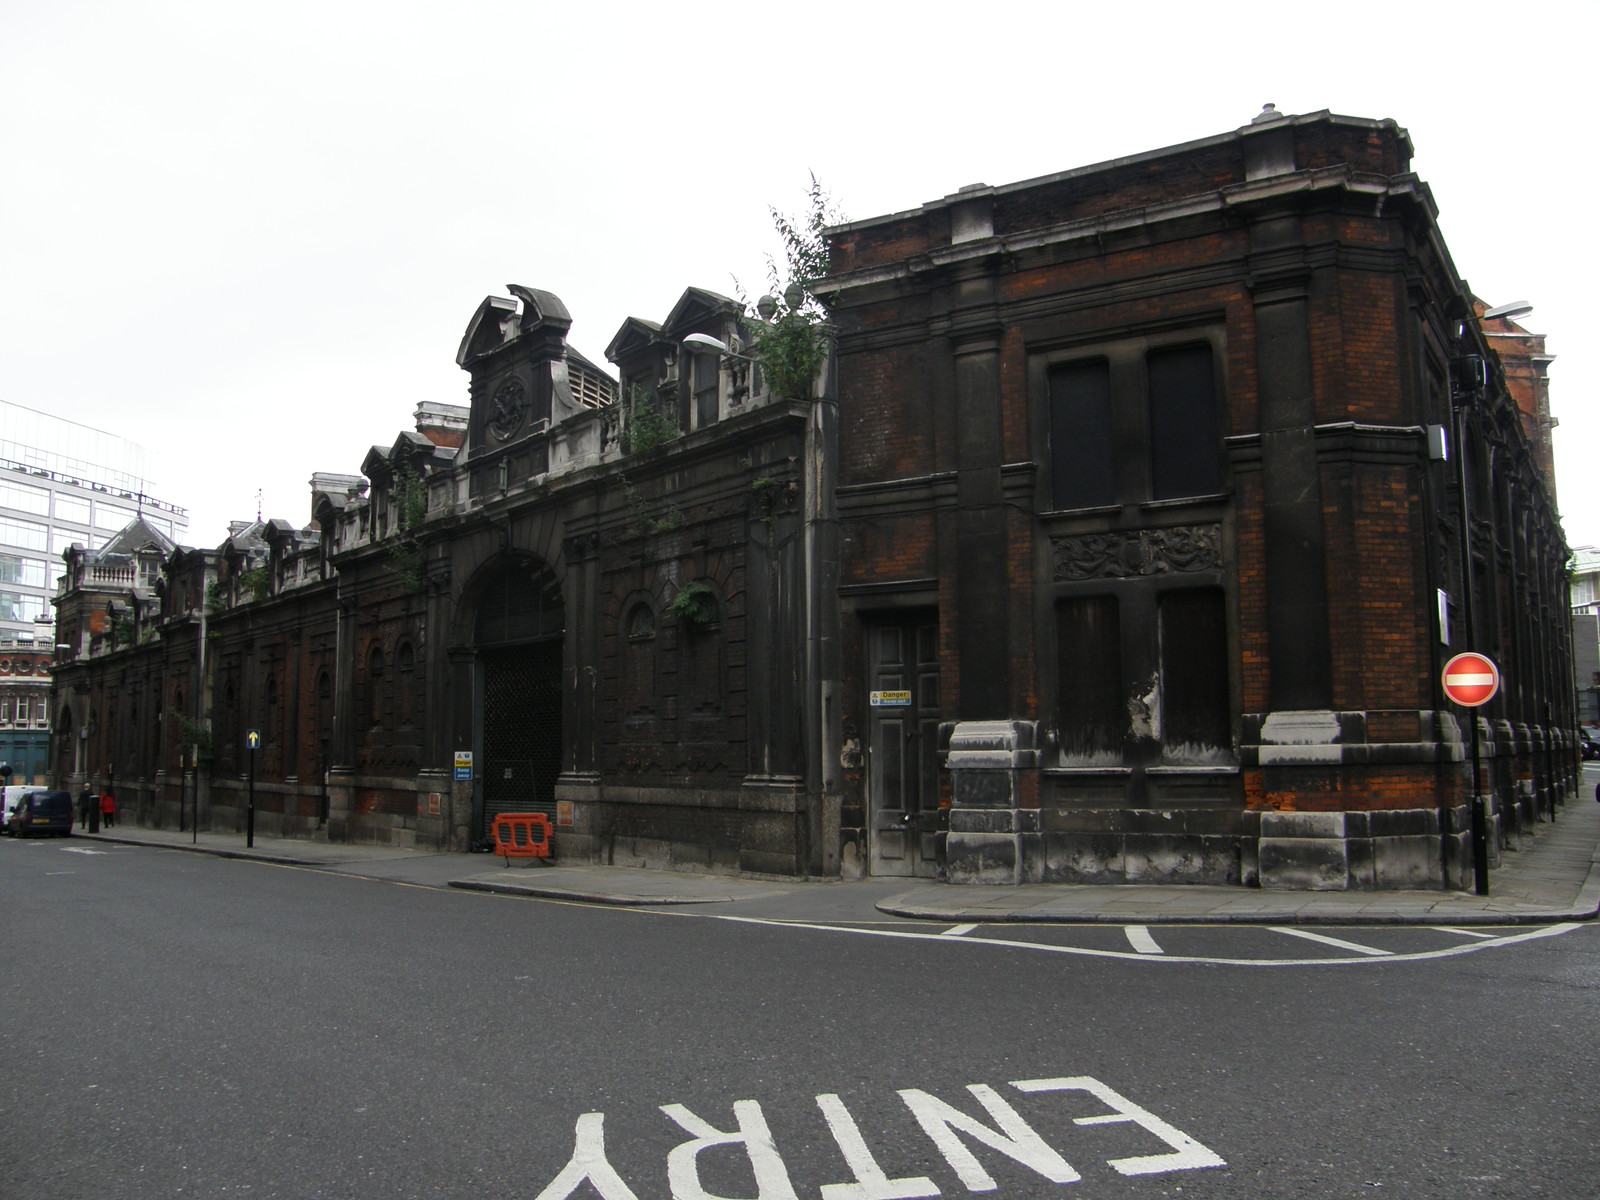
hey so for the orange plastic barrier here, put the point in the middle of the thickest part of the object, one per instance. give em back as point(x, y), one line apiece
point(521, 835)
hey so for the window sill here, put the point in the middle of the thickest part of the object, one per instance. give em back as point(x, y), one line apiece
point(1186, 501)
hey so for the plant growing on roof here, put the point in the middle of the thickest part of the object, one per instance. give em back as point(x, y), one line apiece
point(790, 341)
point(644, 425)
point(256, 582)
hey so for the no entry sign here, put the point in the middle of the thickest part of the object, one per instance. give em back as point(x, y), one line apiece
point(1471, 680)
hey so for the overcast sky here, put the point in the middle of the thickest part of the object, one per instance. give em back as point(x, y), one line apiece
point(251, 236)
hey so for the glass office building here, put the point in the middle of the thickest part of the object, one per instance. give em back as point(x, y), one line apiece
point(60, 482)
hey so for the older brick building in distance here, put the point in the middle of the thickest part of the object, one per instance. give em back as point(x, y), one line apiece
point(1121, 540)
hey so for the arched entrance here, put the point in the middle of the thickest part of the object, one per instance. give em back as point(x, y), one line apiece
point(518, 635)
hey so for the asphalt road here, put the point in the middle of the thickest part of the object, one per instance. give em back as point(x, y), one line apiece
point(179, 1025)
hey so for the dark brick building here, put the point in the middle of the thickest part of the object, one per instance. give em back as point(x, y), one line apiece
point(596, 594)
point(1121, 539)
point(1146, 492)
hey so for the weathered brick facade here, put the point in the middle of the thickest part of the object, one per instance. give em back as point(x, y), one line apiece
point(1119, 541)
point(1005, 367)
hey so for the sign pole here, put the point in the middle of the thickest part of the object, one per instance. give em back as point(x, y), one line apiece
point(1480, 820)
point(252, 739)
point(1471, 680)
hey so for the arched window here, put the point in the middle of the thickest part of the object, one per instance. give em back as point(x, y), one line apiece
point(521, 604)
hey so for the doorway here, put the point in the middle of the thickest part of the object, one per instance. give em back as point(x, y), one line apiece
point(519, 631)
point(521, 730)
point(903, 814)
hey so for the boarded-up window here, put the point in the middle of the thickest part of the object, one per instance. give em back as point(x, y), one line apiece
point(1195, 710)
point(1080, 435)
point(377, 687)
point(1185, 453)
point(406, 685)
point(639, 661)
point(700, 660)
point(705, 370)
point(1093, 720)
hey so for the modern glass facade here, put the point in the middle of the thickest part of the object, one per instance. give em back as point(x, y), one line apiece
point(60, 482)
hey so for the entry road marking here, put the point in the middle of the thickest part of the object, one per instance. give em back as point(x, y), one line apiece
point(958, 930)
point(1331, 941)
point(1471, 933)
point(1139, 938)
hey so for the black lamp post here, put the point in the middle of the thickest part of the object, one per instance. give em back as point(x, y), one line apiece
point(1469, 382)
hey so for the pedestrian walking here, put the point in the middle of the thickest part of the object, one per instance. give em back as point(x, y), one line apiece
point(108, 809)
point(85, 803)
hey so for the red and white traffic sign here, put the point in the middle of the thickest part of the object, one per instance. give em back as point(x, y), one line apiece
point(1471, 679)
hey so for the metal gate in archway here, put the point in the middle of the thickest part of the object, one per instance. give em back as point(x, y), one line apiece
point(519, 632)
point(521, 729)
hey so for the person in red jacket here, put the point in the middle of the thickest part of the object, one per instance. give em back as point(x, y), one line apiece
point(108, 809)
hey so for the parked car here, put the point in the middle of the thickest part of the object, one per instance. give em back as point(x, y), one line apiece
point(41, 811)
point(13, 794)
point(1588, 747)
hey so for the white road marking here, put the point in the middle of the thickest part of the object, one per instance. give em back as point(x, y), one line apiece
point(958, 930)
point(1085, 952)
point(1471, 933)
point(1188, 1154)
point(81, 850)
point(1015, 1138)
point(872, 1182)
point(1330, 941)
point(945, 1125)
point(589, 1165)
point(683, 1161)
point(1139, 938)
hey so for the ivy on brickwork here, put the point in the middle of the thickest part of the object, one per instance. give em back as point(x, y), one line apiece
point(695, 604)
point(255, 583)
point(198, 735)
point(406, 553)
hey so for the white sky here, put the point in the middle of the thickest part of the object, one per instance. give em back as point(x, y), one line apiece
point(251, 236)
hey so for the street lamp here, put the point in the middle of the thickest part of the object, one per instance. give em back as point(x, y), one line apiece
point(1469, 379)
point(1514, 311)
point(704, 343)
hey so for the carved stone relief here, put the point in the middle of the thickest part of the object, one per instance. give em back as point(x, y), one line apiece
point(1124, 554)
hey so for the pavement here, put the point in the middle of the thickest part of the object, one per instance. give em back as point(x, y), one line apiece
point(1550, 874)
